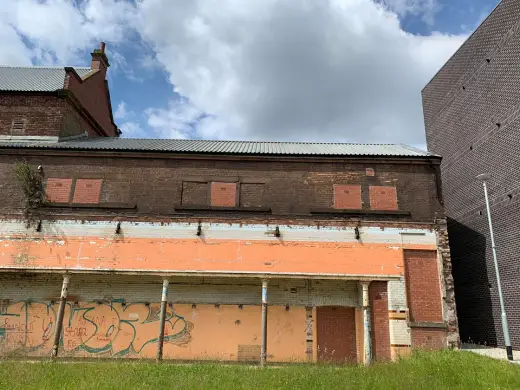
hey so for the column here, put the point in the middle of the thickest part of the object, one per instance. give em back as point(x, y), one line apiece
point(162, 319)
point(364, 302)
point(59, 320)
point(263, 347)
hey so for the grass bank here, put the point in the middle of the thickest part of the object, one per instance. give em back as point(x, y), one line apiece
point(435, 370)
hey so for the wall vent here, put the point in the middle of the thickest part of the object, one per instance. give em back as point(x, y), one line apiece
point(18, 126)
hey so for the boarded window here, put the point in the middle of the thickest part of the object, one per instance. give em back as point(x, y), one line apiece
point(18, 126)
point(423, 285)
point(87, 191)
point(252, 195)
point(58, 190)
point(347, 196)
point(223, 194)
point(383, 198)
point(194, 193)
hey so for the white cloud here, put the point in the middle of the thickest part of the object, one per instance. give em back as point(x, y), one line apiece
point(121, 111)
point(262, 69)
point(268, 69)
point(177, 121)
point(426, 8)
point(58, 30)
point(133, 130)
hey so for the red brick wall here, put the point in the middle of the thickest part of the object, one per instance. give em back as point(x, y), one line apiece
point(428, 338)
point(58, 190)
point(194, 193)
point(223, 194)
point(336, 334)
point(75, 124)
point(92, 93)
point(378, 295)
point(347, 196)
point(158, 185)
point(252, 195)
point(42, 114)
point(87, 191)
point(424, 298)
point(423, 286)
point(383, 198)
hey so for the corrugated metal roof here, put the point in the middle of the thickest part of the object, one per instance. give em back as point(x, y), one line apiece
point(34, 79)
point(225, 147)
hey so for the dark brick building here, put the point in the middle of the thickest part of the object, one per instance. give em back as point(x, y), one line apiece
point(472, 118)
point(239, 251)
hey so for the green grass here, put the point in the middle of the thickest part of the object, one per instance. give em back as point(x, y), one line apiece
point(432, 371)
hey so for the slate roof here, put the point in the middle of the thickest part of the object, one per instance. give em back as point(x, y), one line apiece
point(224, 147)
point(34, 78)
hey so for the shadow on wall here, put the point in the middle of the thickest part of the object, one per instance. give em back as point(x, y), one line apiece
point(472, 285)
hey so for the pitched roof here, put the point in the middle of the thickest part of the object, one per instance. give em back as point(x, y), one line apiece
point(225, 147)
point(34, 78)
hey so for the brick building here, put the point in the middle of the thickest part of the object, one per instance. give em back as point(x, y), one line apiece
point(221, 250)
point(472, 118)
point(47, 104)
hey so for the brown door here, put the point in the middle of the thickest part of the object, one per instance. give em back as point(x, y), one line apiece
point(336, 334)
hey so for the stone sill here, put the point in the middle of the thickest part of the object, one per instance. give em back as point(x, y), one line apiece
point(216, 208)
point(105, 206)
point(432, 325)
point(360, 212)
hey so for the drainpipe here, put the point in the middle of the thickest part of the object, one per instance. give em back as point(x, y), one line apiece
point(61, 312)
point(164, 302)
point(365, 302)
point(263, 347)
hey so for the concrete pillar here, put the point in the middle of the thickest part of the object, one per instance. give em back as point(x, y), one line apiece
point(61, 312)
point(263, 346)
point(309, 334)
point(364, 302)
point(162, 319)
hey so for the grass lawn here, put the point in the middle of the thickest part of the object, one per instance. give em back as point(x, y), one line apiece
point(432, 371)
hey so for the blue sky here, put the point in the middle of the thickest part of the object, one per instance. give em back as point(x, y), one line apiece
point(336, 70)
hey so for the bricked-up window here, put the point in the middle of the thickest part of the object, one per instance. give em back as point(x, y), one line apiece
point(383, 198)
point(58, 190)
point(252, 194)
point(87, 191)
point(194, 193)
point(423, 285)
point(223, 194)
point(347, 196)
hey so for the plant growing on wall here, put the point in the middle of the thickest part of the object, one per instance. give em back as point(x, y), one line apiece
point(32, 187)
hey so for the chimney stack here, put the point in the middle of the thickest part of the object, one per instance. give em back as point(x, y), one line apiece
point(99, 59)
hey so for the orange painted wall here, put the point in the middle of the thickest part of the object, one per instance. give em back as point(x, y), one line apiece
point(203, 255)
point(115, 330)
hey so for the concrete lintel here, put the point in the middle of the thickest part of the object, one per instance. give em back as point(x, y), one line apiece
point(436, 325)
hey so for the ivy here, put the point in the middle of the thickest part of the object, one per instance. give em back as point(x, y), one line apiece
point(32, 187)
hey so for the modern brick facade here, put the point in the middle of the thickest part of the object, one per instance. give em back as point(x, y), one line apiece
point(472, 118)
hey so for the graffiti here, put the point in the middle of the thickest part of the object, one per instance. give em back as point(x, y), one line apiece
point(112, 329)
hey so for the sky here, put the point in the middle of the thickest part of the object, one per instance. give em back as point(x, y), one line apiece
point(276, 70)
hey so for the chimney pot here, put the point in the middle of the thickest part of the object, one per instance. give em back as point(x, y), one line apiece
point(102, 46)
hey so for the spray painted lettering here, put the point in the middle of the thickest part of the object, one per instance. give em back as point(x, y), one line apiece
point(89, 329)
